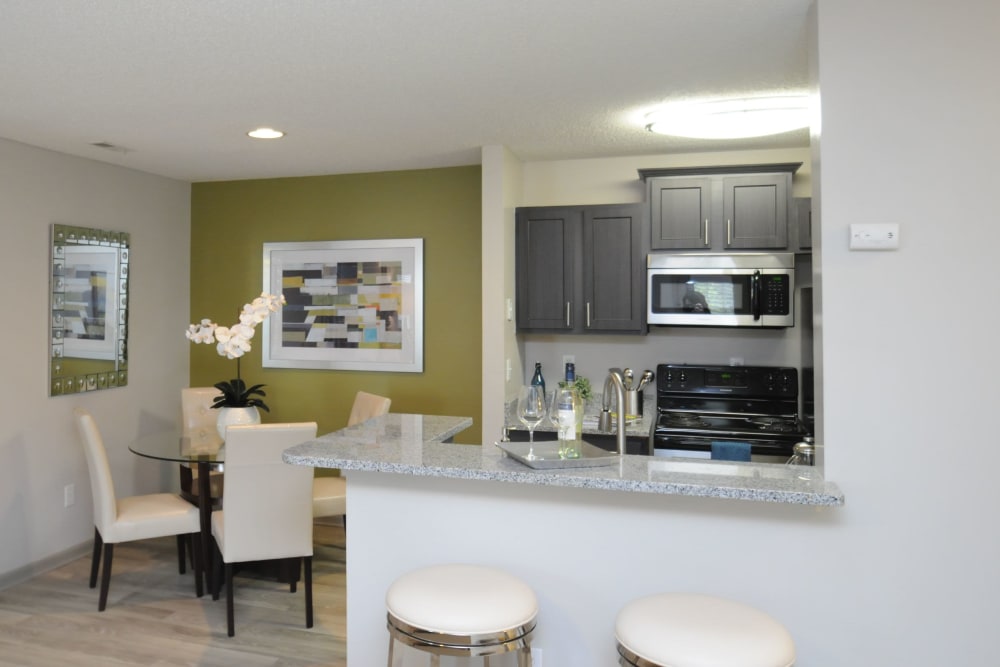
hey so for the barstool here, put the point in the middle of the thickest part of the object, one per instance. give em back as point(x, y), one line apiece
point(461, 610)
point(691, 630)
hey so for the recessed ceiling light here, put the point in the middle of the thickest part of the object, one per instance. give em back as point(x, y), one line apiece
point(731, 119)
point(265, 133)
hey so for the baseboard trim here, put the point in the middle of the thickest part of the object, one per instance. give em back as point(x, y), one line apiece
point(42, 566)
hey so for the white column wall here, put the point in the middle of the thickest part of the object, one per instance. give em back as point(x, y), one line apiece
point(906, 572)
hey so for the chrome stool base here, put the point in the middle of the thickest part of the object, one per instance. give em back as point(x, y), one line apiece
point(472, 646)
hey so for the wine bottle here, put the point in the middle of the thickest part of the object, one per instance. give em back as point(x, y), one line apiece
point(537, 379)
point(570, 372)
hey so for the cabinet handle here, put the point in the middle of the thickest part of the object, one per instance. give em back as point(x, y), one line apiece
point(729, 232)
point(567, 315)
point(706, 231)
point(588, 314)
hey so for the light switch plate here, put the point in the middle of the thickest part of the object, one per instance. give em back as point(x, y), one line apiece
point(875, 236)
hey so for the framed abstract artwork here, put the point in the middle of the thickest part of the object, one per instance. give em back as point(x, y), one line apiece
point(350, 305)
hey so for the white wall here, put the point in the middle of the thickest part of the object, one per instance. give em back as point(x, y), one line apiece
point(39, 451)
point(906, 572)
point(501, 191)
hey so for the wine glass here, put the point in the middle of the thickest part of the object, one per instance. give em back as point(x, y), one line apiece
point(531, 408)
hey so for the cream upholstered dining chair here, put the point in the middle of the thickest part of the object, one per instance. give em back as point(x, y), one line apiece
point(198, 421)
point(267, 505)
point(330, 493)
point(132, 518)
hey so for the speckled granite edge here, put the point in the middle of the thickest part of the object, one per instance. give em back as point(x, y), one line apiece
point(410, 445)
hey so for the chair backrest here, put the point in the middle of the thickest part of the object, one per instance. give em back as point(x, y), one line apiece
point(197, 416)
point(367, 406)
point(267, 503)
point(102, 487)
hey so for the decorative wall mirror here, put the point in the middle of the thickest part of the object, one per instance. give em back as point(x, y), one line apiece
point(88, 323)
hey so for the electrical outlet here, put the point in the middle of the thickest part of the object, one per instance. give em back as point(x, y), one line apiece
point(568, 359)
point(536, 657)
point(507, 370)
point(69, 495)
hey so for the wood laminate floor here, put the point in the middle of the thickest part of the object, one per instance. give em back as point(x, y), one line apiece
point(153, 617)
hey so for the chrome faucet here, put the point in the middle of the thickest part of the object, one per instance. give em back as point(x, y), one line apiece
point(613, 381)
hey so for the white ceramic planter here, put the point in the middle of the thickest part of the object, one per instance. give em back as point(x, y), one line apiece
point(231, 416)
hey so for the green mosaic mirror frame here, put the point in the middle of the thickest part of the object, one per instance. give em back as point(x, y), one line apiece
point(88, 314)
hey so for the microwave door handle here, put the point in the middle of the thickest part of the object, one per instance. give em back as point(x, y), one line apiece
point(755, 295)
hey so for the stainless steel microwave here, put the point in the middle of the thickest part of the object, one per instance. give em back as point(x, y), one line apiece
point(720, 290)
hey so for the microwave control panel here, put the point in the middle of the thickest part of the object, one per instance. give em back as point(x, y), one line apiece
point(775, 295)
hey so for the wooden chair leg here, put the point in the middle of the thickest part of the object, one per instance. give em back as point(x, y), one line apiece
point(181, 555)
point(109, 551)
point(292, 569)
point(95, 560)
point(307, 566)
point(195, 542)
point(215, 581)
point(230, 622)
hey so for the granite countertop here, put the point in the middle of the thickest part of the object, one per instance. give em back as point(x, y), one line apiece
point(412, 445)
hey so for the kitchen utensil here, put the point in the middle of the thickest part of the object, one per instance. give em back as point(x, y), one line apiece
point(628, 378)
point(647, 377)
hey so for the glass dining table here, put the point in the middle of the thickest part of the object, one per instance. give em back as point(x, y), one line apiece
point(203, 450)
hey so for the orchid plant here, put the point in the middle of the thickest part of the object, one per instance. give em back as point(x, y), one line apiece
point(233, 342)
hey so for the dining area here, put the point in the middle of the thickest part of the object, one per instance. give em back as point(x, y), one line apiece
point(239, 509)
point(268, 516)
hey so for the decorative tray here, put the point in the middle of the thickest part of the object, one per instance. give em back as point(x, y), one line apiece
point(545, 455)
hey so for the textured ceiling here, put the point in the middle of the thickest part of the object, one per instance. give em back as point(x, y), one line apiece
point(372, 85)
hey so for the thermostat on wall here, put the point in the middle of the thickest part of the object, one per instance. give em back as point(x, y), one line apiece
point(875, 236)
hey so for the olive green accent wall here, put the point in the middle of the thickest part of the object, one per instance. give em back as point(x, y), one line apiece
point(230, 222)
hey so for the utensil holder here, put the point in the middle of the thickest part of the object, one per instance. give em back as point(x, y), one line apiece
point(633, 403)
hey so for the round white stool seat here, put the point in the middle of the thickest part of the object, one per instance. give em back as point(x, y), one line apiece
point(692, 630)
point(461, 609)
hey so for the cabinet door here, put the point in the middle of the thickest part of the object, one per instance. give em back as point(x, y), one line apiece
point(802, 221)
point(756, 210)
point(680, 212)
point(545, 249)
point(613, 269)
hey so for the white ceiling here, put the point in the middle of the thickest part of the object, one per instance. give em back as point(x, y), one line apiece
point(373, 85)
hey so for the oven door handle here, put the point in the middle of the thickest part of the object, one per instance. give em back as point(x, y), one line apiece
point(755, 295)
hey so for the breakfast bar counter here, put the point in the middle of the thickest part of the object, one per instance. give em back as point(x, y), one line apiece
point(413, 445)
point(587, 540)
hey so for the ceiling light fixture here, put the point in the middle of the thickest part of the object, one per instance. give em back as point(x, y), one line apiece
point(265, 133)
point(731, 119)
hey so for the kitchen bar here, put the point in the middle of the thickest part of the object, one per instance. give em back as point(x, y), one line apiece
point(586, 539)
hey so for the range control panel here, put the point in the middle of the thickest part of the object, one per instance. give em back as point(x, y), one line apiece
point(743, 381)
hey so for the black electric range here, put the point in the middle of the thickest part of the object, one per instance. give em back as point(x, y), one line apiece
point(700, 404)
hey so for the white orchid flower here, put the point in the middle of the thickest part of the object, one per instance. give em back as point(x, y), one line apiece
point(233, 342)
point(241, 330)
point(201, 333)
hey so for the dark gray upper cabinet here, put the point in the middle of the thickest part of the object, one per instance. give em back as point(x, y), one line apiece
point(546, 258)
point(680, 212)
point(755, 209)
point(581, 269)
point(800, 224)
point(719, 208)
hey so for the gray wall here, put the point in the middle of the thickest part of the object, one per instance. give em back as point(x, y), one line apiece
point(39, 450)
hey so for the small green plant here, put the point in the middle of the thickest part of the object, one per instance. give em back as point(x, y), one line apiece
point(582, 386)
